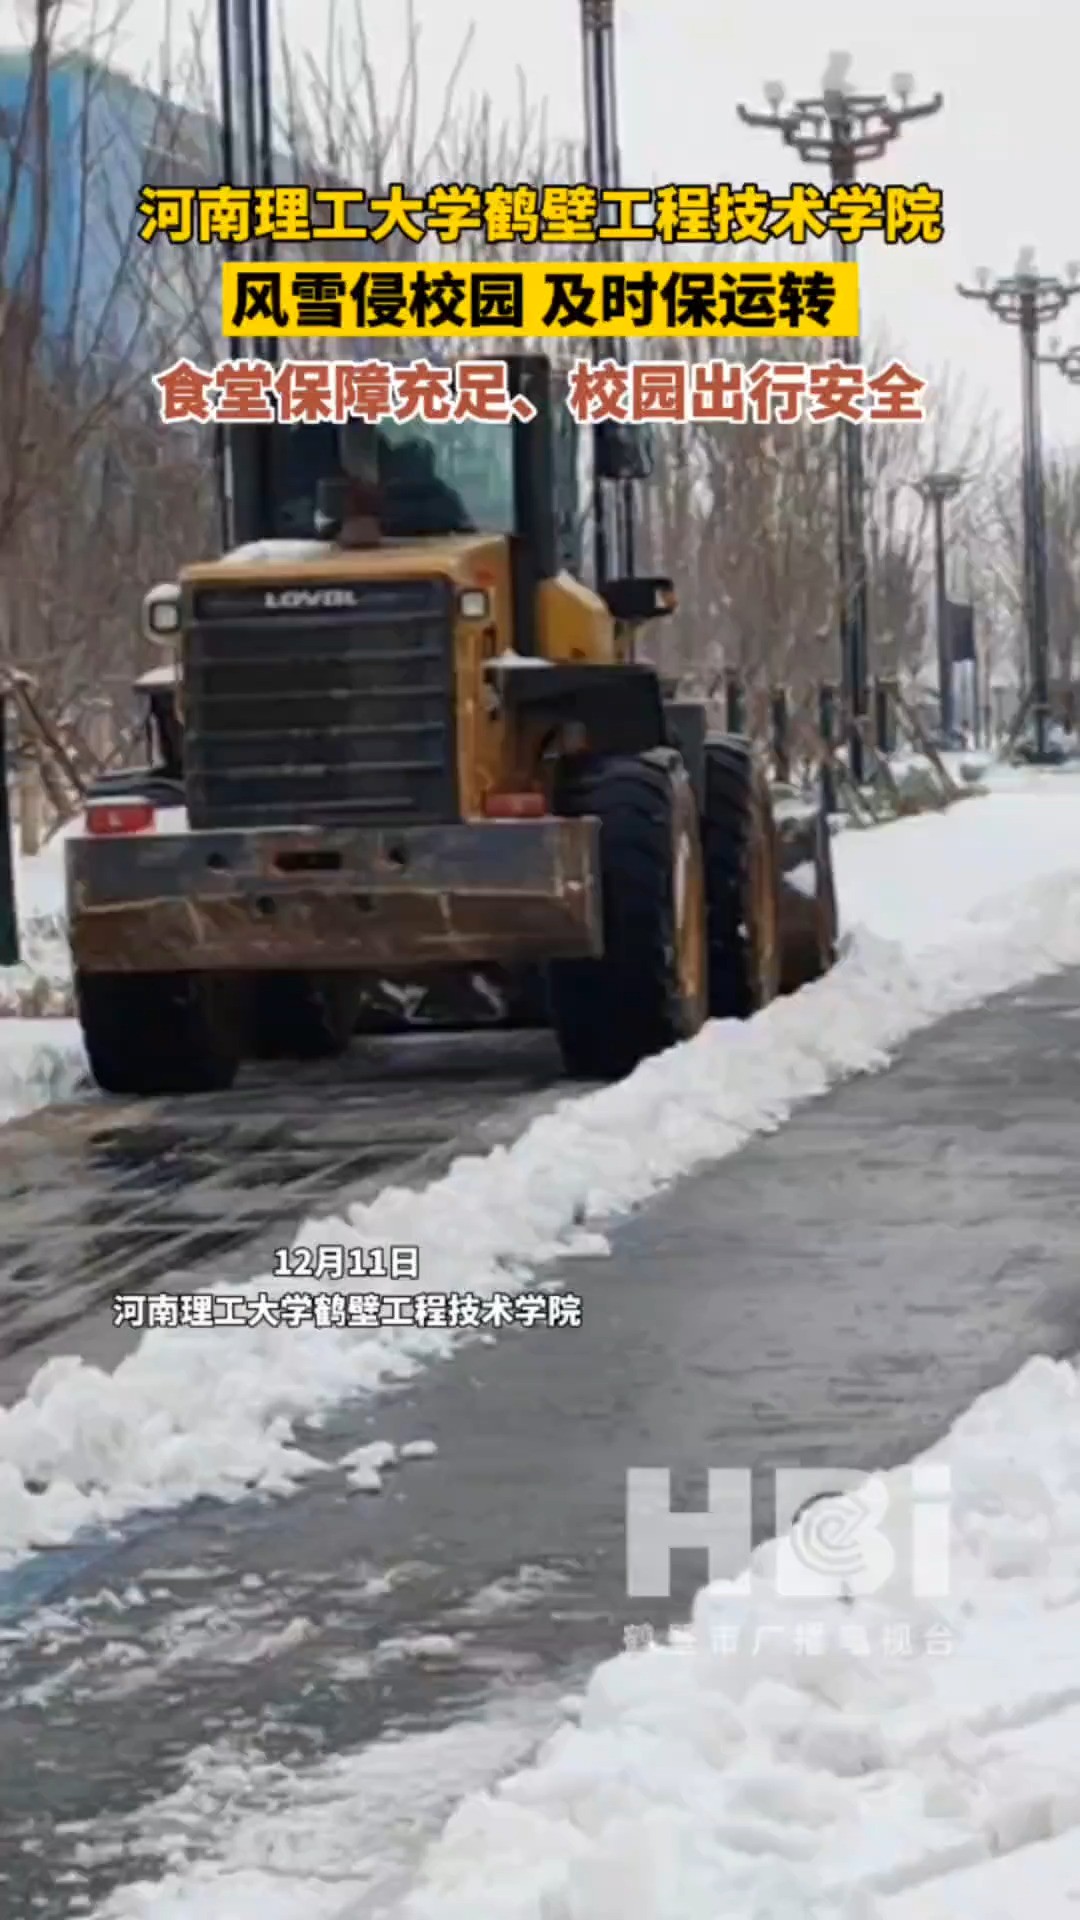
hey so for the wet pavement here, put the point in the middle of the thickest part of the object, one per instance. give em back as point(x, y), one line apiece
point(833, 1294)
point(101, 1196)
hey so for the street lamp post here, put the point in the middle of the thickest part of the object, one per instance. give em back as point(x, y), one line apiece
point(9, 916)
point(841, 129)
point(937, 488)
point(1029, 300)
point(1068, 363)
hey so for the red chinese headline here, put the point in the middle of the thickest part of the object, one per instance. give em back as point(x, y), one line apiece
point(768, 392)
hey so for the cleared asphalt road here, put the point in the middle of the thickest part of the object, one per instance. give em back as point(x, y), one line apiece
point(100, 1196)
point(835, 1293)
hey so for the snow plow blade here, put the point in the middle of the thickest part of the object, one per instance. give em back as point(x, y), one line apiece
point(364, 899)
point(808, 910)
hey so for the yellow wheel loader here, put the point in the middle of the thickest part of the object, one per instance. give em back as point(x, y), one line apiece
point(399, 738)
point(414, 744)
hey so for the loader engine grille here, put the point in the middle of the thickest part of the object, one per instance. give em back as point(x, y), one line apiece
point(321, 705)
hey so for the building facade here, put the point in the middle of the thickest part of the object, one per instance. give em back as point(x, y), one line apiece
point(73, 252)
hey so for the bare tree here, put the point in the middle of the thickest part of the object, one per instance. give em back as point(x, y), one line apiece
point(96, 500)
point(93, 496)
point(749, 512)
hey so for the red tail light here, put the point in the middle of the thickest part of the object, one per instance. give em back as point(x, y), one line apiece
point(120, 816)
point(514, 806)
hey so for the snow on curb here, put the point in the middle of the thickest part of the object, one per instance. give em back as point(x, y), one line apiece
point(41, 1060)
point(799, 1761)
point(213, 1411)
point(41, 984)
point(42, 1057)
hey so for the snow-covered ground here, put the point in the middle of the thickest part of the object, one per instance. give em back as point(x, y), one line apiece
point(339, 1843)
point(41, 1052)
point(41, 1060)
point(880, 1758)
point(943, 911)
point(852, 1758)
point(872, 1757)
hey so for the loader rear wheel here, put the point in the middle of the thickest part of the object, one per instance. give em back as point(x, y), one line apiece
point(742, 882)
point(304, 1016)
point(160, 1033)
point(649, 989)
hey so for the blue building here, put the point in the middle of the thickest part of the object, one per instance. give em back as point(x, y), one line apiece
point(100, 137)
point(104, 137)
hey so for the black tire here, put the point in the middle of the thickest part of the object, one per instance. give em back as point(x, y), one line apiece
point(303, 1016)
point(611, 1013)
point(742, 882)
point(160, 1033)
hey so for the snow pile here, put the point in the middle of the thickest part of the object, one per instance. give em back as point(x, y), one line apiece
point(40, 1061)
point(794, 1760)
point(918, 781)
point(41, 983)
point(246, 1839)
point(879, 1758)
point(213, 1411)
point(932, 880)
point(39, 880)
point(41, 1052)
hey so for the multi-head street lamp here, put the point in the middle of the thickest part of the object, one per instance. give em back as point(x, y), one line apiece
point(842, 129)
point(1030, 300)
point(1067, 362)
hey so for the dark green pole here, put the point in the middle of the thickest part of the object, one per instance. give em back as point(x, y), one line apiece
point(9, 919)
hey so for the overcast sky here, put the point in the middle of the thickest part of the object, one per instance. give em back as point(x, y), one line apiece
point(1004, 150)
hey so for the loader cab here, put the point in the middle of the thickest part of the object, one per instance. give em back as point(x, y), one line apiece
point(526, 480)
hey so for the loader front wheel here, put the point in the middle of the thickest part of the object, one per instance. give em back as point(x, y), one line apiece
point(160, 1033)
point(649, 988)
point(742, 863)
point(304, 1016)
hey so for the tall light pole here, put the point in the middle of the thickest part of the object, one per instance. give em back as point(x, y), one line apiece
point(1068, 363)
point(841, 129)
point(1029, 300)
point(9, 913)
point(937, 488)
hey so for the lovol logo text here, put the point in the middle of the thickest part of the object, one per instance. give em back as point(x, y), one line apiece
point(295, 598)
